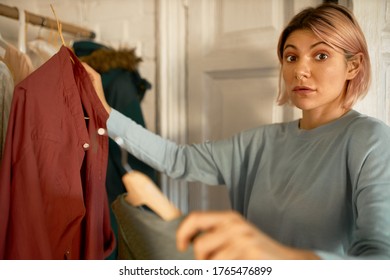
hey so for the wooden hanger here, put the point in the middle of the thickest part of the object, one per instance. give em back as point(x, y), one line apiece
point(59, 27)
point(141, 190)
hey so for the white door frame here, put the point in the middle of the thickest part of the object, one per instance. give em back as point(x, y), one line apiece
point(171, 86)
point(374, 19)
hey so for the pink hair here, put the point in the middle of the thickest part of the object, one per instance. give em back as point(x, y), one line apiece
point(337, 26)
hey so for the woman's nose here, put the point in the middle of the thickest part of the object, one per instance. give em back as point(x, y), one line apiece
point(302, 69)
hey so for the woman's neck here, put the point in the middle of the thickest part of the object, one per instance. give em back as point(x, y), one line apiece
point(313, 119)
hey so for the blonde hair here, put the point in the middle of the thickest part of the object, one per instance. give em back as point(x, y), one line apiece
point(337, 26)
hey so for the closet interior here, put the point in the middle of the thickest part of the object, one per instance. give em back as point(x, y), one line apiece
point(72, 172)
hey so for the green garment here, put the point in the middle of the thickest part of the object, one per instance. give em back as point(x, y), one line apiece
point(124, 90)
point(145, 236)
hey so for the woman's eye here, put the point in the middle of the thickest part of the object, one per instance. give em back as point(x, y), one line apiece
point(321, 56)
point(291, 58)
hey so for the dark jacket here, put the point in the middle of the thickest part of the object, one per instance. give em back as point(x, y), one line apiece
point(124, 90)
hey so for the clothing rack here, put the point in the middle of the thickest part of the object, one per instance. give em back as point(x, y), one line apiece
point(12, 12)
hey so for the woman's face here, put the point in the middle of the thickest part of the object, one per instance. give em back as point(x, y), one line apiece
point(314, 73)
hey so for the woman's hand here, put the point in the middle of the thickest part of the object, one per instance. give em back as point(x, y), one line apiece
point(97, 84)
point(227, 235)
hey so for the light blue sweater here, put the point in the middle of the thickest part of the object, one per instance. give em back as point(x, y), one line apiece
point(325, 189)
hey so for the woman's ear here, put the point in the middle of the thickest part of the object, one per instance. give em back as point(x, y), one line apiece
point(354, 64)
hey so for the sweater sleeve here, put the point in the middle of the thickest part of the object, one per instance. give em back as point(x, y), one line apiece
point(188, 162)
point(371, 195)
point(368, 161)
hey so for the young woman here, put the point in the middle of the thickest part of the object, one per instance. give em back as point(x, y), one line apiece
point(314, 188)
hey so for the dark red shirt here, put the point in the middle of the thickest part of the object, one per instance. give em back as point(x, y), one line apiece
point(53, 202)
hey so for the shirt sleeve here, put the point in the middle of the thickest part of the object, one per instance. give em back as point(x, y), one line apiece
point(22, 222)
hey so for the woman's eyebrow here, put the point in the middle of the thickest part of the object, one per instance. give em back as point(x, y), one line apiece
point(311, 47)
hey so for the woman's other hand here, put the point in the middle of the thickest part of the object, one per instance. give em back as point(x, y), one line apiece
point(227, 235)
point(97, 84)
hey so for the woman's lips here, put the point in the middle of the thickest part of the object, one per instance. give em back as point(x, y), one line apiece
point(303, 90)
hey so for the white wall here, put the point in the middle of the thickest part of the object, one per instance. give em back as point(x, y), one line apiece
point(374, 18)
point(119, 23)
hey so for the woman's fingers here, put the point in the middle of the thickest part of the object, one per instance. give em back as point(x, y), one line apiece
point(227, 235)
point(213, 234)
point(194, 224)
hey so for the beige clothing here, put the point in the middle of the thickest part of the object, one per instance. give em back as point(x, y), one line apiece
point(18, 63)
point(6, 93)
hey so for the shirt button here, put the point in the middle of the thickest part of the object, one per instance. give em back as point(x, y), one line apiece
point(101, 131)
point(67, 254)
point(86, 146)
